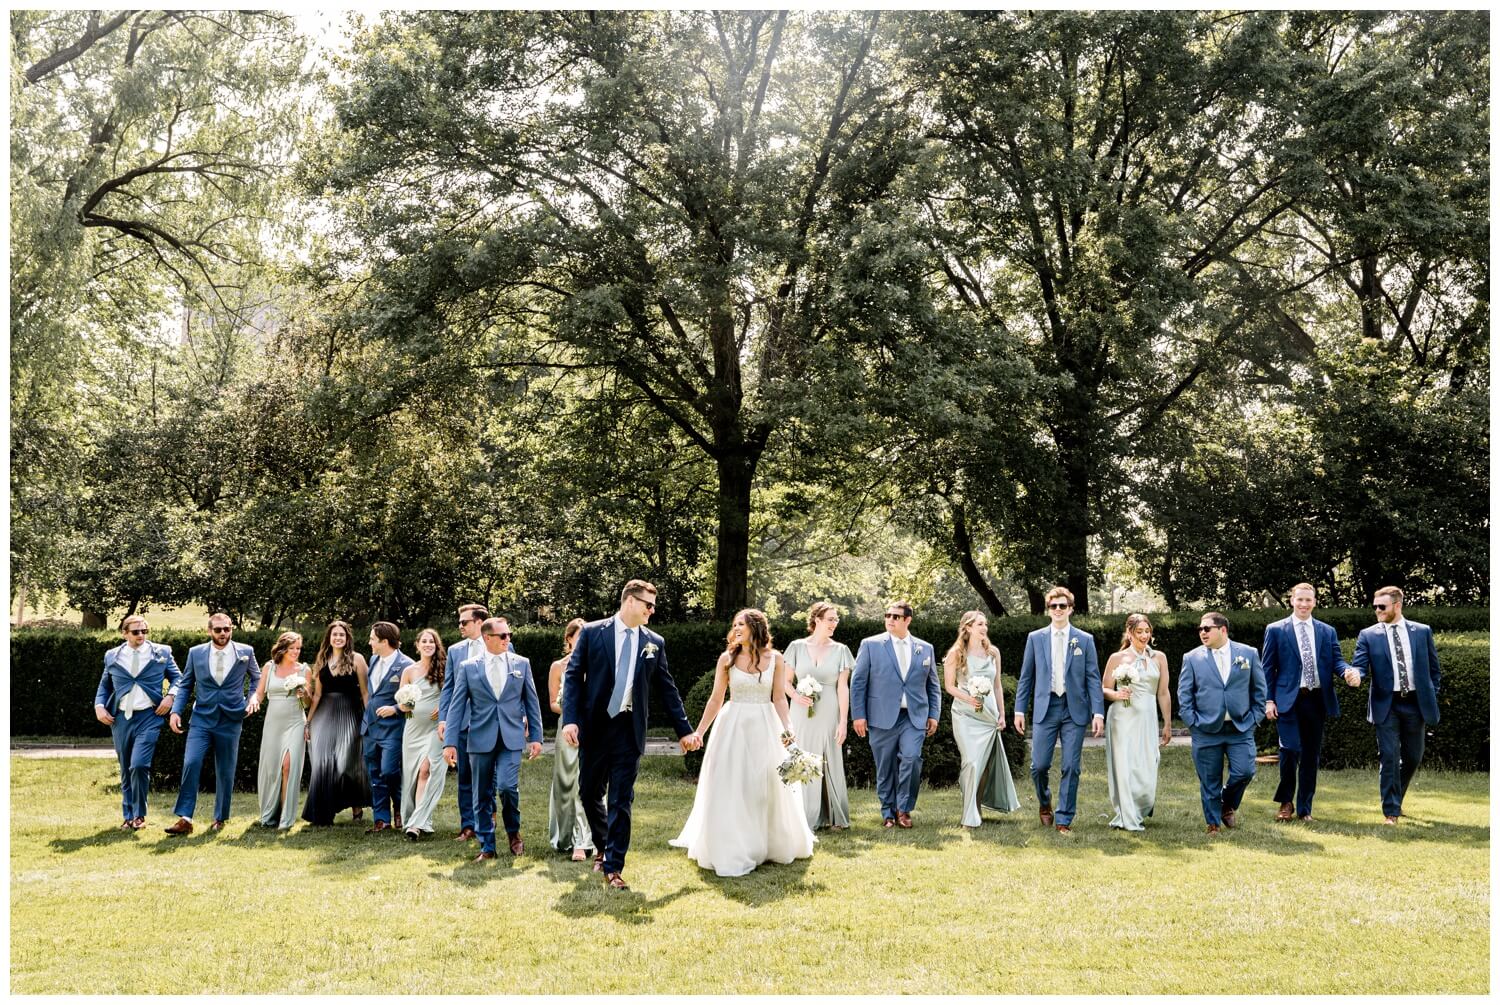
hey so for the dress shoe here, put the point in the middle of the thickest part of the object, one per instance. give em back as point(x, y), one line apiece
point(614, 882)
point(380, 825)
point(139, 823)
point(1065, 830)
point(181, 827)
point(516, 847)
point(413, 835)
point(579, 855)
point(888, 822)
point(128, 825)
point(484, 856)
point(1391, 821)
point(903, 820)
point(1046, 814)
point(217, 825)
point(396, 823)
point(598, 861)
point(1213, 830)
point(1231, 819)
point(1306, 818)
point(1284, 814)
point(467, 834)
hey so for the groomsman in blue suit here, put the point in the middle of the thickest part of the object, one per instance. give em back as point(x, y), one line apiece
point(496, 706)
point(1300, 656)
point(1221, 695)
point(383, 726)
point(216, 675)
point(470, 617)
point(894, 696)
point(1060, 676)
point(137, 684)
point(1401, 660)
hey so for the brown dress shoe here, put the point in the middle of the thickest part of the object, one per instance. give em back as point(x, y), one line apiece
point(598, 861)
point(1306, 818)
point(888, 822)
point(1213, 829)
point(181, 827)
point(139, 823)
point(380, 825)
point(1285, 813)
point(467, 834)
point(1391, 821)
point(1231, 819)
point(484, 856)
point(903, 820)
point(614, 882)
point(1046, 814)
point(1064, 830)
point(217, 825)
point(128, 825)
point(516, 847)
point(396, 821)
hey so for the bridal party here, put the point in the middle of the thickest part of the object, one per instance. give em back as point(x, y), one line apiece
point(382, 733)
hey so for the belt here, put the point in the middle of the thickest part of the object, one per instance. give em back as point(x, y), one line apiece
point(1406, 695)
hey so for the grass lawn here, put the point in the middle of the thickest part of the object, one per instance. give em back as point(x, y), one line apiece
point(1010, 908)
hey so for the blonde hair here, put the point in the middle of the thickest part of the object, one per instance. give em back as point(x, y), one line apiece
point(1059, 591)
point(954, 658)
point(816, 613)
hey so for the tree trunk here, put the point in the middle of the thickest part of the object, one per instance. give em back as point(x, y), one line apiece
point(1168, 587)
point(20, 604)
point(1072, 514)
point(732, 565)
point(964, 546)
point(1036, 599)
point(93, 619)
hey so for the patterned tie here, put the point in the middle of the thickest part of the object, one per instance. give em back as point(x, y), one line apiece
point(1403, 678)
point(1309, 668)
point(622, 669)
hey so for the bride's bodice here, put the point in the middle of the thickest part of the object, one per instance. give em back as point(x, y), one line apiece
point(748, 688)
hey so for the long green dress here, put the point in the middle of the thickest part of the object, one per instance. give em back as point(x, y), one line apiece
point(281, 735)
point(827, 802)
point(567, 825)
point(419, 742)
point(980, 750)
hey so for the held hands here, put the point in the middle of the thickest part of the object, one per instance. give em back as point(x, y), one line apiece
point(253, 705)
point(861, 726)
point(1271, 710)
point(1098, 729)
point(175, 722)
point(1020, 724)
point(570, 733)
point(690, 742)
point(102, 714)
point(1351, 677)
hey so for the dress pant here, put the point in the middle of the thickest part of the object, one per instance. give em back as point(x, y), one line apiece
point(898, 764)
point(1210, 751)
point(224, 740)
point(1299, 733)
point(502, 766)
point(608, 755)
point(1401, 739)
point(383, 764)
point(1045, 732)
point(459, 741)
point(135, 743)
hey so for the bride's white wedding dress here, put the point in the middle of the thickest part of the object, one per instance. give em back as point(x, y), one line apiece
point(742, 814)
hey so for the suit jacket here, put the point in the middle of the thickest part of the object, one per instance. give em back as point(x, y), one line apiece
point(1281, 660)
point(1081, 682)
point(876, 687)
point(589, 682)
point(217, 704)
point(488, 720)
point(1374, 659)
point(461, 652)
point(1203, 696)
point(389, 728)
point(115, 683)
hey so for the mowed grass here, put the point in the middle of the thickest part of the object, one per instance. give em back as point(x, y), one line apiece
point(1010, 908)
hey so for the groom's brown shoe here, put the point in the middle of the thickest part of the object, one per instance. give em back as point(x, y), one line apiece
point(903, 820)
point(1285, 813)
point(888, 822)
point(181, 827)
point(614, 882)
point(1046, 815)
point(1213, 830)
point(1231, 819)
point(467, 834)
point(516, 847)
point(484, 856)
point(1064, 830)
point(598, 861)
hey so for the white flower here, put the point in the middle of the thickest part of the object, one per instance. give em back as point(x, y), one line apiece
point(978, 687)
point(406, 697)
point(810, 687)
point(1242, 663)
point(648, 651)
point(292, 683)
point(799, 766)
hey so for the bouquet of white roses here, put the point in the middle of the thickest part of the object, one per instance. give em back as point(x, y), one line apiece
point(406, 698)
point(809, 687)
point(799, 766)
point(979, 687)
point(296, 686)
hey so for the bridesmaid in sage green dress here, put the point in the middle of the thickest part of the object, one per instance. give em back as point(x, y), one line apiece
point(1133, 738)
point(820, 724)
point(423, 770)
point(283, 738)
point(984, 776)
point(567, 826)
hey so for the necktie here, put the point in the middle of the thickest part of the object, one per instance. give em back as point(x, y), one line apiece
point(1403, 677)
point(1059, 662)
point(492, 673)
point(622, 670)
point(135, 671)
point(1309, 668)
point(219, 670)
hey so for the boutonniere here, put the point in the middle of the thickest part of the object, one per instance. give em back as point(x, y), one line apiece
point(515, 673)
point(648, 651)
point(1242, 663)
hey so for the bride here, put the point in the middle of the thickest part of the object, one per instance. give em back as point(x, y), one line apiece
point(743, 814)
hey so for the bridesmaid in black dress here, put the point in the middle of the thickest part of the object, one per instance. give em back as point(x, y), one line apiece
point(338, 779)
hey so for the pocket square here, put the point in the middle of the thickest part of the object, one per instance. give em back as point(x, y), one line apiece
point(515, 673)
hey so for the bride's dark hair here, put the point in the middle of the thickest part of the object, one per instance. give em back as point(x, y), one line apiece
point(1130, 626)
point(758, 637)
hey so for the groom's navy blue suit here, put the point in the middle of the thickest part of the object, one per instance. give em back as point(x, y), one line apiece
point(610, 747)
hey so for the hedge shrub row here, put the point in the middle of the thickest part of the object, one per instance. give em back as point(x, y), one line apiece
point(55, 672)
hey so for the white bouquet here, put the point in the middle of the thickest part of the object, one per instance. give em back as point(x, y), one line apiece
point(1124, 678)
point(979, 687)
point(406, 698)
point(808, 687)
point(296, 686)
point(799, 766)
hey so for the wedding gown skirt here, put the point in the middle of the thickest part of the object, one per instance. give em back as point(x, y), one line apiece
point(742, 813)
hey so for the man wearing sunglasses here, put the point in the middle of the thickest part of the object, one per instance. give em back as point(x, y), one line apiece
point(138, 682)
point(470, 617)
point(1221, 695)
point(495, 706)
point(894, 697)
point(1060, 676)
point(1401, 660)
point(606, 692)
point(216, 675)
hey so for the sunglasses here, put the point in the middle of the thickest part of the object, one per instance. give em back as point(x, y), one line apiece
point(466, 621)
point(649, 604)
point(222, 628)
point(1382, 607)
point(894, 616)
point(500, 635)
point(136, 631)
point(1206, 628)
point(1058, 607)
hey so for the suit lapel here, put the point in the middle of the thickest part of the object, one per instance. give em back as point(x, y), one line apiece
point(890, 650)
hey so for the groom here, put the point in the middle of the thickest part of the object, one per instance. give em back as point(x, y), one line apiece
point(606, 692)
point(1221, 695)
point(894, 696)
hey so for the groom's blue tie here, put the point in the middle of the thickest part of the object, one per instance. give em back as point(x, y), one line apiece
point(622, 670)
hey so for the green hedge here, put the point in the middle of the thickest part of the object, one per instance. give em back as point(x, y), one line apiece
point(54, 673)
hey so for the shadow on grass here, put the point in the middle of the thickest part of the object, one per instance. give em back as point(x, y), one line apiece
point(113, 835)
point(589, 898)
point(768, 884)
